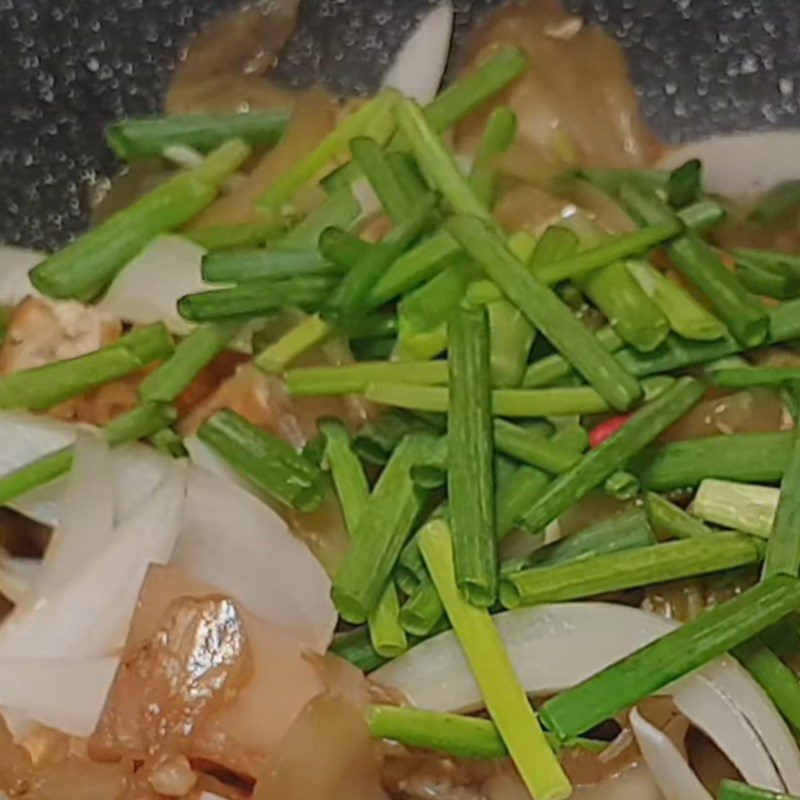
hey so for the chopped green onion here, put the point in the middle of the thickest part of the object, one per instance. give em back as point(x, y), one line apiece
point(612, 180)
point(686, 316)
point(737, 308)
point(307, 334)
point(749, 377)
point(622, 485)
point(767, 283)
point(38, 473)
point(770, 260)
point(236, 237)
point(343, 248)
point(393, 508)
point(145, 420)
point(355, 646)
point(505, 402)
point(685, 183)
point(352, 295)
point(532, 448)
point(255, 298)
point(370, 120)
point(775, 678)
point(502, 691)
point(616, 451)
point(733, 790)
point(140, 138)
point(340, 211)
point(354, 378)
point(668, 519)
point(264, 460)
point(702, 215)
point(470, 485)
point(556, 244)
point(387, 636)
point(408, 175)
point(621, 533)
point(783, 548)
point(43, 387)
point(743, 506)
point(498, 136)
point(169, 442)
point(781, 200)
point(546, 312)
point(84, 269)
point(613, 249)
point(376, 441)
point(662, 662)
point(745, 457)
point(368, 154)
point(189, 358)
point(245, 265)
point(612, 572)
point(423, 609)
point(455, 734)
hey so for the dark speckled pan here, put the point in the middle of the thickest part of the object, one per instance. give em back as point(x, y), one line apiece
point(67, 67)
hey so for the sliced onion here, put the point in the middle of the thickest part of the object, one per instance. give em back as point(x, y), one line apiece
point(66, 694)
point(17, 577)
point(557, 646)
point(148, 289)
point(742, 164)
point(89, 616)
point(233, 540)
point(86, 521)
point(418, 68)
point(674, 776)
point(15, 264)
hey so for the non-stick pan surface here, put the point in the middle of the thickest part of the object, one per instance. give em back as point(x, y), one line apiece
point(67, 67)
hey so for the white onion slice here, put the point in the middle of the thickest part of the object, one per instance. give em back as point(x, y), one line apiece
point(89, 616)
point(68, 695)
point(674, 776)
point(554, 647)
point(15, 264)
point(148, 289)
point(236, 542)
point(418, 68)
point(742, 164)
point(86, 521)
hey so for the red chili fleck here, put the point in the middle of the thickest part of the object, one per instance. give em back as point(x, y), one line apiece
point(606, 429)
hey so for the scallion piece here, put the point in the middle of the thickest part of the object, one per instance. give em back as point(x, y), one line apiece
point(354, 378)
point(376, 440)
point(733, 790)
point(736, 307)
point(470, 481)
point(614, 249)
point(255, 298)
point(668, 519)
point(745, 457)
point(764, 282)
point(343, 248)
point(612, 572)
point(236, 237)
point(622, 485)
point(38, 473)
point(775, 678)
point(386, 634)
point(455, 734)
point(685, 183)
point(340, 211)
point(141, 422)
point(370, 120)
point(498, 136)
point(369, 155)
point(773, 261)
point(656, 665)
point(394, 506)
point(84, 269)
point(264, 460)
point(783, 547)
point(546, 312)
point(352, 295)
point(307, 334)
point(743, 506)
point(750, 377)
point(502, 691)
point(245, 265)
point(140, 138)
point(616, 451)
point(533, 448)
point(785, 197)
point(189, 358)
point(685, 315)
point(423, 610)
point(505, 402)
point(43, 387)
point(612, 180)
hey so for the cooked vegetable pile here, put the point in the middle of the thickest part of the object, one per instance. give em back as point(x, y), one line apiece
point(499, 403)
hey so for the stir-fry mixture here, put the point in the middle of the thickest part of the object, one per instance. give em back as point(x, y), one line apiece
point(436, 444)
